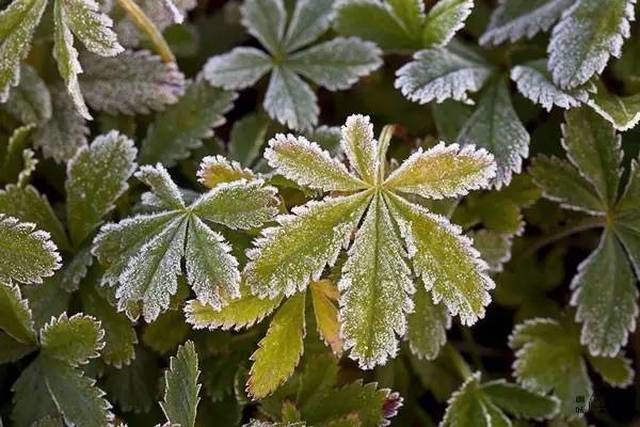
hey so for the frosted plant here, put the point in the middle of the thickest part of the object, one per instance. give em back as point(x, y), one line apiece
point(143, 254)
point(376, 283)
point(402, 24)
point(604, 289)
point(336, 64)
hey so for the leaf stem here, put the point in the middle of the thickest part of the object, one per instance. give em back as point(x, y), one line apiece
point(143, 22)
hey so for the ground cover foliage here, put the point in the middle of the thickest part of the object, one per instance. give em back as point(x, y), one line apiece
point(319, 212)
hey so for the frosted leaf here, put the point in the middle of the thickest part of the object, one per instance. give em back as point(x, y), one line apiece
point(438, 74)
point(15, 315)
point(131, 83)
point(266, 21)
point(150, 277)
point(181, 387)
point(534, 82)
point(290, 100)
point(605, 295)
point(96, 177)
point(16, 162)
point(18, 22)
point(161, 184)
point(443, 171)
point(338, 63)
point(182, 126)
point(622, 112)
point(444, 20)
point(627, 223)
point(495, 126)
point(359, 146)
point(26, 254)
point(586, 37)
point(375, 287)
point(74, 339)
point(445, 260)
point(211, 269)
point(61, 136)
point(90, 26)
point(30, 101)
point(310, 19)
point(513, 20)
point(238, 69)
point(216, 170)
point(427, 326)
point(238, 205)
point(287, 257)
point(309, 165)
point(494, 247)
point(616, 371)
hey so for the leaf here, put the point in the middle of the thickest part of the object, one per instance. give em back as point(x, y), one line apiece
point(181, 127)
point(216, 170)
point(586, 37)
point(337, 64)
point(444, 20)
point(266, 21)
point(96, 176)
point(26, 254)
point(605, 295)
point(438, 74)
point(31, 398)
point(238, 69)
point(627, 224)
point(495, 126)
point(359, 146)
point(451, 270)
point(248, 135)
point(130, 83)
point(72, 340)
point(91, 27)
point(66, 131)
point(165, 333)
point(513, 20)
point(427, 326)
point(181, 395)
point(594, 148)
point(494, 247)
point(162, 186)
point(18, 22)
point(315, 234)
point(309, 165)
point(17, 163)
point(443, 171)
point(520, 402)
point(46, 300)
point(466, 407)
point(280, 350)
point(622, 112)
point(133, 387)
point(310, 19)
point(616, 371)
point(30, 101)
point(324, 296)
point(11, 350)
point(375, 287)
point(15, 315)
point(535, 83)
point(290, 100)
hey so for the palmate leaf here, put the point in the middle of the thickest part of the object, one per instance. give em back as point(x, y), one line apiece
point(310, 19)
point(143, 254)
point(290, 100)
point(586, 37)
point(487, 404)
point(181, 394)
point(96, 176)
point(17, 25)
point(266, 21)
point(26, 254)
point(238, 69)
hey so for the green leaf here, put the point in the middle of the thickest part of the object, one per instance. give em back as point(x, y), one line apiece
point(451, 269)
point(15, 315)
point(310, 19)
point(30, 101)
point(443, 171)
point(375, 286)
point(594, 148)
point(130, 83)
point(17, 163)
point(520, 402)
point(248, 135)
point(216, 170)
point(12, 350)
point(513, 20)
point(165, 333)
point(96, 176)
point(586, 37)
point(238, 69)
point(466, 407)
point(623, 112)
point(46, 300)
point(266, 21)
point(26, 254)
point(133, 387)
point(444, 20)
point(31, 398)
point(495, 126)
point(72, 340)
point(286, 258)
point(182, 126)
point(438, 74)
point(181, 394)
point(627, 221)
point(427, 326)
point(290, 100)
point(18, 22)
point(337, 64)
point(309, 165)
point(604, 294)
point(617, 371)
point(494, 247)
point(562, 183)
point(280, 350)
